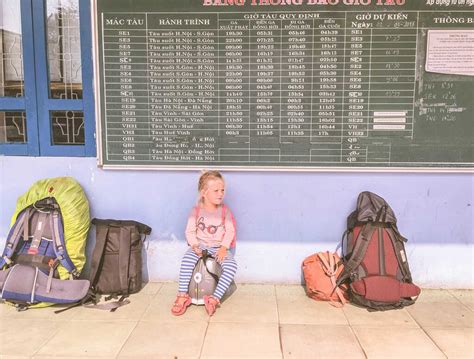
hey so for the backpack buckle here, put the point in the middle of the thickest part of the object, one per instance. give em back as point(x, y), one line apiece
point(52, 262)
point(33, 251)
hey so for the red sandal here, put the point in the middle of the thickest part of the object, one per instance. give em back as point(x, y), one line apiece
point(211, 303)
point(182, 302)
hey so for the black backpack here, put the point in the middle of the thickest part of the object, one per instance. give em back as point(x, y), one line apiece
point(116, 267)
point(375, 263)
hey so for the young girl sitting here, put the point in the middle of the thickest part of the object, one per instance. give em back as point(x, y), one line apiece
point(210, 226)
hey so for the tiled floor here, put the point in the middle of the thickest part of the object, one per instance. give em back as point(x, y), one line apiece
point(257, 321)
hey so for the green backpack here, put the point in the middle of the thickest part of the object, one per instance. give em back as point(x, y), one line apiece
point(46, 245)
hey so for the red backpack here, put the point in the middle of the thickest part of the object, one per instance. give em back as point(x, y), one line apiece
point(376, 266)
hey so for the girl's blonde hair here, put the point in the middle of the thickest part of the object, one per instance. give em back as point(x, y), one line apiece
point(205, 177)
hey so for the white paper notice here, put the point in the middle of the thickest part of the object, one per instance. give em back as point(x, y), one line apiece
point(450, 52)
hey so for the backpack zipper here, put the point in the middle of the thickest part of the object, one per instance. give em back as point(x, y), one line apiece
point(382, 269)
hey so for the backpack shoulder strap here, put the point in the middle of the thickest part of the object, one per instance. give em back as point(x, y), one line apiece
point(397, 242)
point(59, 244)
point(111, 306)
point(124, 230)
point(124, 257)
point(358, 253)
point(14, 236)
point(197, 210)
point(205, 257)
point(102, 230)
point(37, 232)
point(223, 214)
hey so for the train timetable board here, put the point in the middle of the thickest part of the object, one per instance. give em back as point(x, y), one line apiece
point(285, 84)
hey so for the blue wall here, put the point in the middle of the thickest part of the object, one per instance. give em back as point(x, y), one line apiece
point(281, 216)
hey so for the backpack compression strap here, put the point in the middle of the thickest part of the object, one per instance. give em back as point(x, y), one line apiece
point(330, 268)
point(358, 253)
point(14, 237)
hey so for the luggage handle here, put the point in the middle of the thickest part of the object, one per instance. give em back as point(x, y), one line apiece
point(205, 257)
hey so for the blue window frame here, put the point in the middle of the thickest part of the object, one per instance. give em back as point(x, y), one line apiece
point(36, 102)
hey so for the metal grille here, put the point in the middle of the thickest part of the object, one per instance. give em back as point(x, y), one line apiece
point(13, 127)
point(67, 127)
point(11, 58)
point(64, 49)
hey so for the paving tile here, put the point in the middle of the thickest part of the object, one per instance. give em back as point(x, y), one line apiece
point(89, 338)
point(292, 291)
point(246, 325)
point(238, 356)
point(294, 307)
point(25, 336)
point(436, 296)
point(362, 317)
point(257, 340)
point(47, 313)
point(5, 309)
point(155, 339)
point(171, 288)
point(150, 288)
point(168, 288)
point(465, 296)
point(234, 308)
point(159, 310)
point(396, 342)
point(321, 341)
point(257, 290)
point(131, 312)
point(442, 315)
point(249, 303)
point(454, 342)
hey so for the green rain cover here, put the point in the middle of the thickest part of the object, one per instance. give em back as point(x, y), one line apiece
point(74, 210)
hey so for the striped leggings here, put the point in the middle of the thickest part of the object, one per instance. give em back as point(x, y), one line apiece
point(229, 267)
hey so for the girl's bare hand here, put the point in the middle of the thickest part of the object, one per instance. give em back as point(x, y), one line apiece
point(221, 254)
point(197, 250)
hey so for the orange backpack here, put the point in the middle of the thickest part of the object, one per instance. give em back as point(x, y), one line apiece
point(320, 274)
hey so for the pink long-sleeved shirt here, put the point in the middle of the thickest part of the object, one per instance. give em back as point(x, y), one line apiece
point(224, 234)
